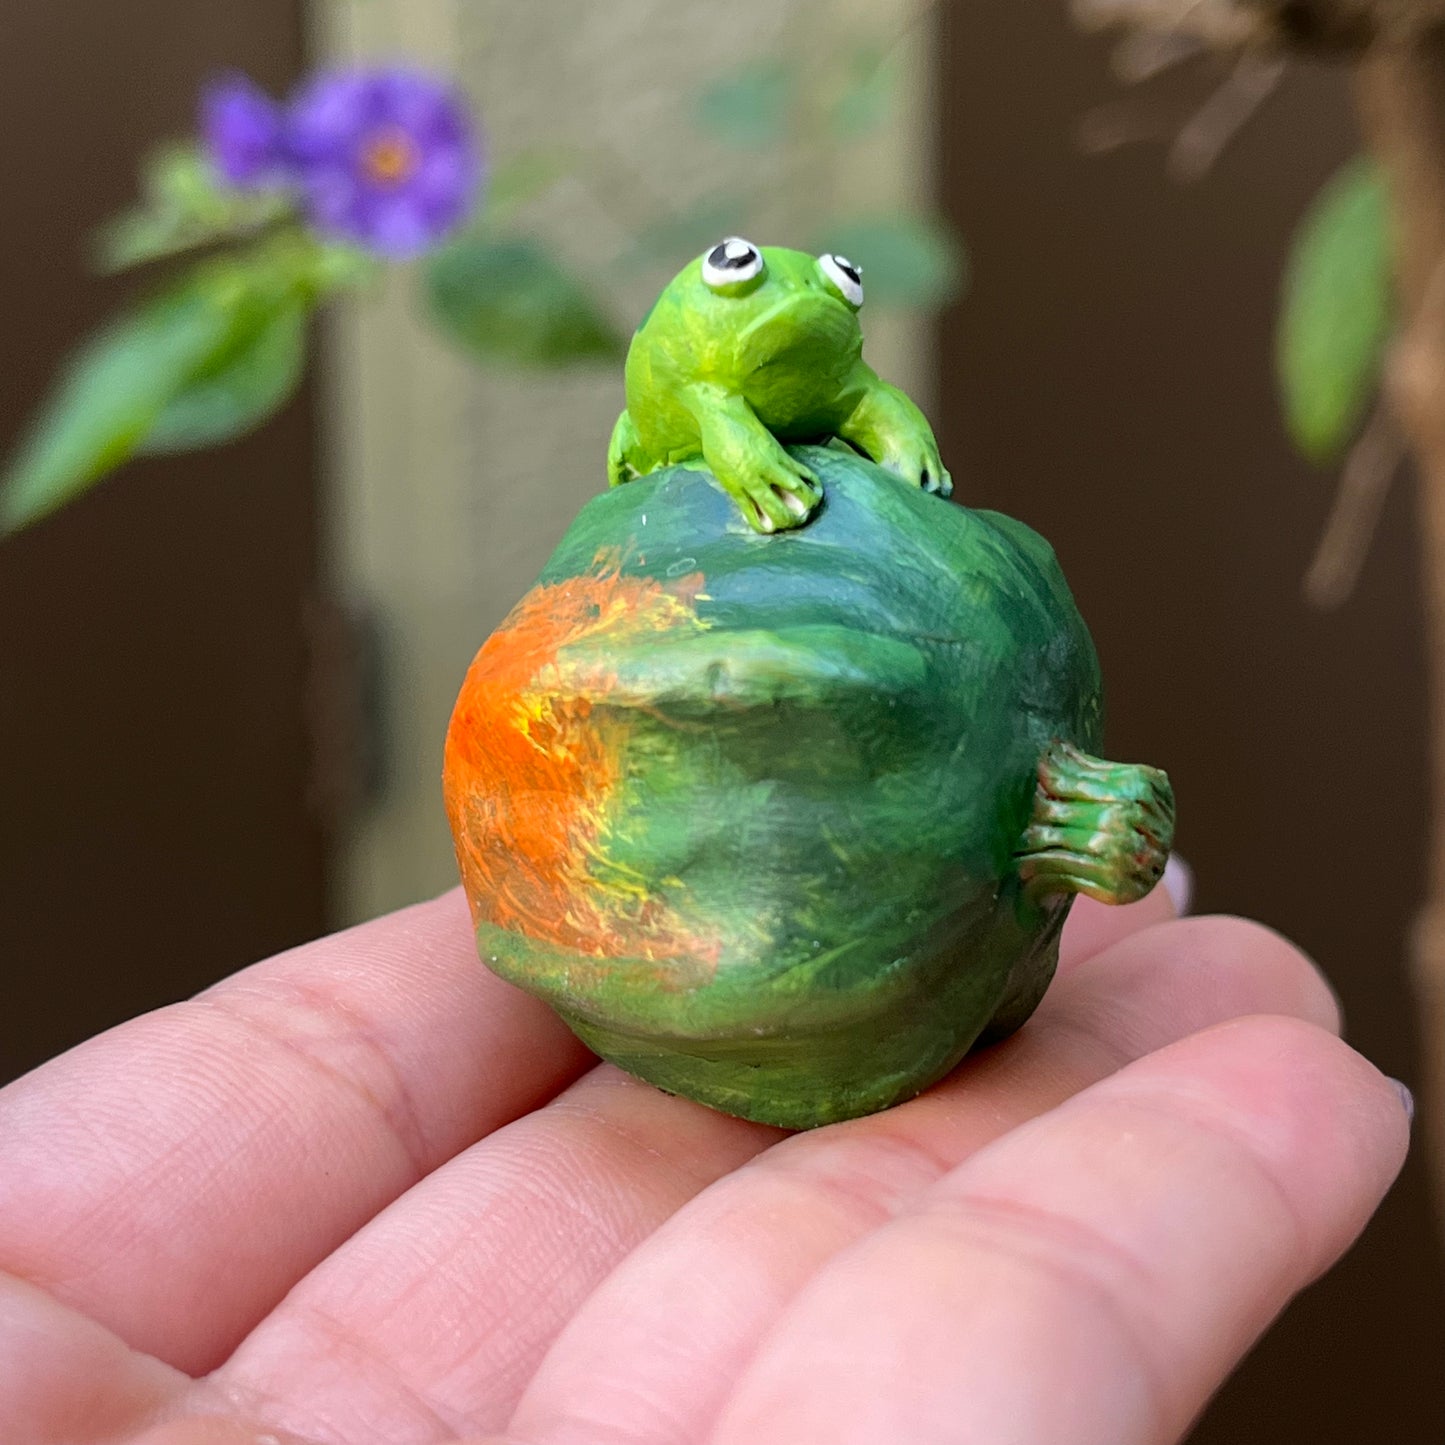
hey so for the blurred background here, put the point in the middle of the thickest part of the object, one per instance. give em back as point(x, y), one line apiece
point(225, 677)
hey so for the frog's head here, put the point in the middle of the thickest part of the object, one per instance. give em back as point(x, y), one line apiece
point(761, 302)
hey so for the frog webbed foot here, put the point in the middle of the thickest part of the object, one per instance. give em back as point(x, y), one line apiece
point(626, 457)
point(921, 465)
point(774, 490)
point(1099, 828)
point(891, 431)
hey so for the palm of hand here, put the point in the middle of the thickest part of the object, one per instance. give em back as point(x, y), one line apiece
point(364, 1193)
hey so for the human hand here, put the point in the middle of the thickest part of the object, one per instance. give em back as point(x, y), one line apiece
point(366, 1193)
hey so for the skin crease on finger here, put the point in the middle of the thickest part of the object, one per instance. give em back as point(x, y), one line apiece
point(412, 961)
point(145, 1167)
point(456, 1259)
point(409, 1302)
point(1094, 1275)
point(621, 1371)
point(432, 1318)
point(418, 965)
point(1208, 969)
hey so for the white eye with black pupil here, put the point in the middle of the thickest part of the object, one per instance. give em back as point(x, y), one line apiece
point(847, 277)
point(732, 262)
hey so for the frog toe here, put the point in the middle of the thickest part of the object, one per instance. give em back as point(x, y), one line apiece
point(759, 518)
point(781, 497)
point(795, 504)
point(922, 469)
point(625, 457)
point(768, 507)
point(932, 475)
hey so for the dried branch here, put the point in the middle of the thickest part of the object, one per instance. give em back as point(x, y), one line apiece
point(1143, 54)
point(1196, 143)
point(1399, 47)
point(1364, 483)
point(1108, 128)
point(1196, 148)
point(1340, 25)
point(1402, 105)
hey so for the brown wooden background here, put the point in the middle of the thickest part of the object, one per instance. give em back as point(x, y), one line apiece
point(1108, 381)
point(153, 830)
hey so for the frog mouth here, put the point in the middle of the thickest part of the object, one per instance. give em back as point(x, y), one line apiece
point(815, 295)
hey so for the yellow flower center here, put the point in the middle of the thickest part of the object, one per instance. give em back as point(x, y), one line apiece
point(390, 157)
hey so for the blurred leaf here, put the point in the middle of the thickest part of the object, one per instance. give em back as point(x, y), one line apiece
point(867, 92)
point(323, 267)
point(181, 178)
point(749, 106)
point(688, 233)
point(243, 384)
point(1336, 313)
point(516, 181)
point(509, 301)
point(906, 260)
point(197, 365)
point(184, 205)
point(112, 394)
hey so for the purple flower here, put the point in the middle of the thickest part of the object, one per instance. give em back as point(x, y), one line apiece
point(244, 131)
point(384, 158)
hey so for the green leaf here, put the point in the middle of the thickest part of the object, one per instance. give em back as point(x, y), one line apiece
point(199, 364)
point(749, 106)
point(867, 92)
point(110, 397)
point(242, 385)
point(906, 260)
point(185, 205)
point(511, 302)
point(324, 267)
point(1336, 312)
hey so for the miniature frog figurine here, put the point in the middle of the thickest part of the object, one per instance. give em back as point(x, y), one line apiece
point(752, 347)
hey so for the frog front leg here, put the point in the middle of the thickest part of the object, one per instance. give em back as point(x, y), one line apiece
point(774, 491)
point(627, 458)
point(887, 428)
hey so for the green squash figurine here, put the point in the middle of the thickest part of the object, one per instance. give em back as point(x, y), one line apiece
point(779, 784)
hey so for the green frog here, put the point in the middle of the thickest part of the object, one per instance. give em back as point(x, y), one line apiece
point(752, 347)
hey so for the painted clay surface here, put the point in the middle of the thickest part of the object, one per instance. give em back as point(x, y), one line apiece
point(751, 347)
point(788, 823)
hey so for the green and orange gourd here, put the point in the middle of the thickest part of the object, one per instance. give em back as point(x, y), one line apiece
point(787, 821)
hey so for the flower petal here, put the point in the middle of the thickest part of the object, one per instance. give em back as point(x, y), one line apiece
point(328, 115)
point(398, 228)
point(244, 131)
point(338, 122)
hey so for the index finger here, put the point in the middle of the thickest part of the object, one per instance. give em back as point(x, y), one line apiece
point(1092, 926)
point(174, 1177)
point(1094, 1275)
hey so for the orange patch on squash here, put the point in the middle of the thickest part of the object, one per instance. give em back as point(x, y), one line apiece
point(530, 772)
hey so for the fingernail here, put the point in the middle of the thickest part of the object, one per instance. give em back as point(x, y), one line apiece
point(1178, 883)
point(1407, 1099)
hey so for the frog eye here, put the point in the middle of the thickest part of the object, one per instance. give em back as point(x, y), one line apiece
point(847, 277)
point(730, 263)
